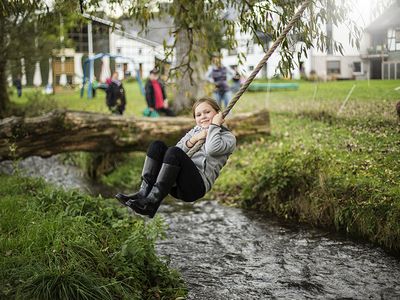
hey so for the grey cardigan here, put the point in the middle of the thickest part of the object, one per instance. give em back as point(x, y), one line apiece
point(213, 154)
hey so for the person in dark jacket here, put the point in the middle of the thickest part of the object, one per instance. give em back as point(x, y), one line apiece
point(219, 75)
point(115, 95)
point(156, 96)
point(18, 85)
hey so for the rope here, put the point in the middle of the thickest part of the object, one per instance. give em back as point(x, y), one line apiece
point(253, 74)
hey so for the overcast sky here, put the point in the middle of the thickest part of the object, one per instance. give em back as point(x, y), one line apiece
point(362, 11)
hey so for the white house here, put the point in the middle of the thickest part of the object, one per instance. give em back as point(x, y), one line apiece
point(137, 53)
point(324, 64)
point(254, 53)
point(381, 51)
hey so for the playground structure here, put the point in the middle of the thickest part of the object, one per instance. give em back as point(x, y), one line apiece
point(88, 73)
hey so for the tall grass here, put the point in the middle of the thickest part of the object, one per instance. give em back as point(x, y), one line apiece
point(65, 245)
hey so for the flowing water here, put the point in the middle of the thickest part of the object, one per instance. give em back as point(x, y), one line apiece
point(229, 253)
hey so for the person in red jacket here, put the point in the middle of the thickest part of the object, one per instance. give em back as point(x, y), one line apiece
point(156, 96)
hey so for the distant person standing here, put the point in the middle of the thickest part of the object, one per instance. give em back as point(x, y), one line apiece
point(18, 85)
point(236, 80)
point(156, 96)
point(219, 75)
point(115, 95)
point(95, 85)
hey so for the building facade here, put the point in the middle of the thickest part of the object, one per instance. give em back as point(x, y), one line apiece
point(381, 52)
point(93, 36)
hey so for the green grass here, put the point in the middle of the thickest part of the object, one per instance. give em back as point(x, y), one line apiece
point(327, 96)
point(320, 166)
point(70, 98)
point(65, 245)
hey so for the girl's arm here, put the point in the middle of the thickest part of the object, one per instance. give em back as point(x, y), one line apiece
point(183, 141)
point(219, 142)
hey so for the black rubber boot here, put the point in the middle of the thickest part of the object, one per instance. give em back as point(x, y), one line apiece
point(149, 205)
point(150, 171)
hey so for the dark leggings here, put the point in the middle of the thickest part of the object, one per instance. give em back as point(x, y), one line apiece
point(189, 183)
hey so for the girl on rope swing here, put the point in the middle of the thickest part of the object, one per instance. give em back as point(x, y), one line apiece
point(172, 171)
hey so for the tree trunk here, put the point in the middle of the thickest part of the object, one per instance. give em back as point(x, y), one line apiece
point(188, 89)
point(67, 131)
point(4, 99)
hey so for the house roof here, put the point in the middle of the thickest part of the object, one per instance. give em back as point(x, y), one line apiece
point(119, 29)
point(157, 30)
point(102, 21)
point(389, 18)
point(138, 38)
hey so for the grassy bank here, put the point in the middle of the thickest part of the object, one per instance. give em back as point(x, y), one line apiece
point(328, 162)
point(322, 167)
point(65, 245)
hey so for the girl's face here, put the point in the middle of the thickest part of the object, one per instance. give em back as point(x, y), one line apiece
point(204, 114)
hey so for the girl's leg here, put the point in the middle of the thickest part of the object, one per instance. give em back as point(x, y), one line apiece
point(189, 183)
point(227, 97)
point(151, 168)
point(157, 151)
point(175, 167)
point(217, 98)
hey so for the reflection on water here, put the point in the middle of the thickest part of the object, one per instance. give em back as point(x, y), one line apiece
point(228, 253)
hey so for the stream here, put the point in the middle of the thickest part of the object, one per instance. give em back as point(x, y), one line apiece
point(229, 253)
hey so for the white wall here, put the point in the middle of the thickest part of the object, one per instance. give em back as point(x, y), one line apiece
point(254, 54)
point(141, 53)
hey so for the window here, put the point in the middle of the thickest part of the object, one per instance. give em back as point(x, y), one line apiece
point(357, 67)
point(251, 68)
point(140, 51)
point(118, 50)
point(250, 47)
point(232, 52)
point(397, 34)
point(333, 67)
point(398, 71)
point(329, 36)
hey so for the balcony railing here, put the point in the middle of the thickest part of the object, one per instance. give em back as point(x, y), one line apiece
point(378, 49)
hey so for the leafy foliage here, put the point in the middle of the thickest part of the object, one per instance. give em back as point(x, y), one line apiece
point(207, 21)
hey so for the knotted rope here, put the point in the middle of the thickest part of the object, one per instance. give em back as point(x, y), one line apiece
point(253, 74)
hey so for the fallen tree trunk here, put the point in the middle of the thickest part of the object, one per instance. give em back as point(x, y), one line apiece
point(67, 131)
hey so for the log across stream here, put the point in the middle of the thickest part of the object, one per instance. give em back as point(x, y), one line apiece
point(68, 131)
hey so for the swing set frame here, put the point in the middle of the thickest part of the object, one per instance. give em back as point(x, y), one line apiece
point(88, 70)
